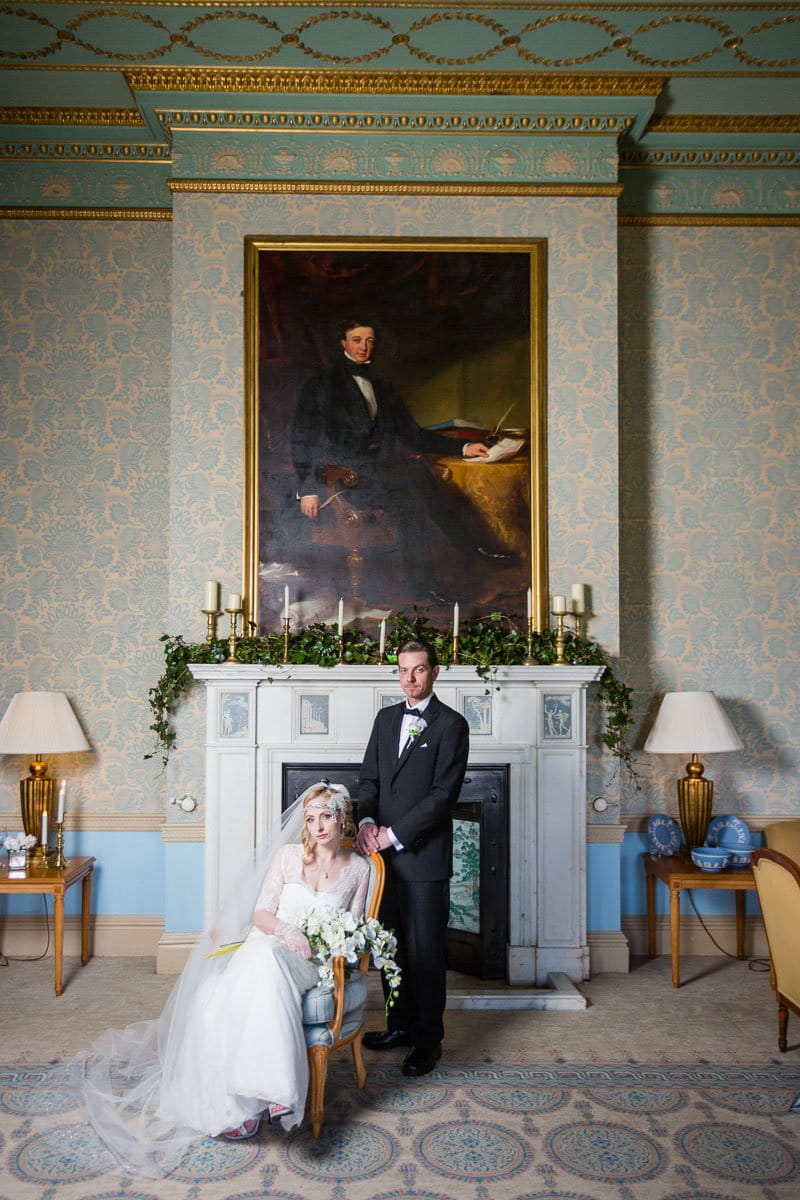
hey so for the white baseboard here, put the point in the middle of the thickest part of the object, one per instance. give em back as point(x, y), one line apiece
point(693, 937)
point(114, 937)
point(608, 951)
point(173, 951)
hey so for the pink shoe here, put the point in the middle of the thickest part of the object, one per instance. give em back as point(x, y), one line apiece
point(275, 1111)
point(247, 1129)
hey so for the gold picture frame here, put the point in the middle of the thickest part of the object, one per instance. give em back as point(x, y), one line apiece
point(461, 356)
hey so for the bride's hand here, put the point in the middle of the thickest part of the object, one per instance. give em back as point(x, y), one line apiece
point(294, 940)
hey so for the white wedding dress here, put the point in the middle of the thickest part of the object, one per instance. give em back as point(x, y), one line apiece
point(243, 1045)
point(229, 1039)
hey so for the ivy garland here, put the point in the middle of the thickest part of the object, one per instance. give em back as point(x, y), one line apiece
point(486, 643)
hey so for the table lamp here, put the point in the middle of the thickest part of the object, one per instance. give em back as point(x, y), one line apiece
point(692, 723)
point(39, 723)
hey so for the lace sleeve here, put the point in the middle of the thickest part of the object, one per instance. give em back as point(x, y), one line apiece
point(359, 899)
point(270, 895)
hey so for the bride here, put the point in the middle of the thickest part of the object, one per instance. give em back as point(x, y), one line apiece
point(229, 1046)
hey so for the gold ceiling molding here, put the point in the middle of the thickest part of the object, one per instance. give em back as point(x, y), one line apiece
point(321, 80)
point(283, 187)
point(709, 219)
point(12, 213)
point(507, 124)
point(724, 123)
point(128, 117)
point(697, 158)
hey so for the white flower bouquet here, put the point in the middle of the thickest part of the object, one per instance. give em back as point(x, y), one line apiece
point(338, 933)
point(19, 842)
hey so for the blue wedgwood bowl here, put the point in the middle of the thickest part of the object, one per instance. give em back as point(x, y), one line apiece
point(709, 859)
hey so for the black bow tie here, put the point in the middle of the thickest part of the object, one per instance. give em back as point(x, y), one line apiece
point(364, 369)
point(412, 712)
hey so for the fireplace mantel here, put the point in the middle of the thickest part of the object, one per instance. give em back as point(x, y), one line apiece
point(532, 719)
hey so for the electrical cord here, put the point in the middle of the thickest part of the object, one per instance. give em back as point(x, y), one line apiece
point(753, 964)
point(6, 959)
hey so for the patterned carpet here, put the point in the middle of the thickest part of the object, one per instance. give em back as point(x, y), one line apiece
point(491, 1132)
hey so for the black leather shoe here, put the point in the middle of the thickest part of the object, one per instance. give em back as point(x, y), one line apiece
point(387, 1039)
point(421, 1060)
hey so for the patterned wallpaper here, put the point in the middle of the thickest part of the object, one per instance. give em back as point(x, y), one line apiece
point(84, 478)
point(710, 475)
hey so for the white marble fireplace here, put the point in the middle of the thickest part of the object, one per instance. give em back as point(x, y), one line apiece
point(531, 720)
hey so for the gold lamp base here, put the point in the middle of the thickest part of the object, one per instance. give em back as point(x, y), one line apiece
point(695, 797)
point(37, 794)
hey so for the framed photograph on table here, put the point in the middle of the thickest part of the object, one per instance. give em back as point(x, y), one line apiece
point(395, 428)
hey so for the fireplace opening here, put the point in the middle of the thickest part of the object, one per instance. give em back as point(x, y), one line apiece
point(478, 929)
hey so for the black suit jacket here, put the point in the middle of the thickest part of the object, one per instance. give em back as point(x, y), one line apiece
point(416, 793)
point(331, 425)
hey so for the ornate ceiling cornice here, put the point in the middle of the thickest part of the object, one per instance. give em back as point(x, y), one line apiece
point(323, 80)
point(378, 188)
point(718, 123)
point(128, 117)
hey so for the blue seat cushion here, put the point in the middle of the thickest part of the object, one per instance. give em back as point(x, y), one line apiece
point(318, 1010)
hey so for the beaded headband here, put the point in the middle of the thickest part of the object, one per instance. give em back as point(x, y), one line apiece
point(335, 802)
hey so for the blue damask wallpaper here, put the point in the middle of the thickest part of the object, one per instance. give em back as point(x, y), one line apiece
point(710, 475)
point(84, 479)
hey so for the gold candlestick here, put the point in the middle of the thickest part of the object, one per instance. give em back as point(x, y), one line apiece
point(60, 862)
point(530, 661)
point(341, 647)
point(234, 613)
point(286, 639)
point(455, 647)
point(40, 855)
point(560, 639)
point(211, 615)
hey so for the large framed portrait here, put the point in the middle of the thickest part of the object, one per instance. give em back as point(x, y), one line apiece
point(395, 450)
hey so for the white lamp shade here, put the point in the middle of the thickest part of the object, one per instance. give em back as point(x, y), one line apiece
point(41, 723)
point(691, 723)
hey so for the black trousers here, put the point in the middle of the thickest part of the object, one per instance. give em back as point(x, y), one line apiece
point(418, 914)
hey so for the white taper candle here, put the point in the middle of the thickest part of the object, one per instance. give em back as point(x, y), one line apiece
point(62, 797)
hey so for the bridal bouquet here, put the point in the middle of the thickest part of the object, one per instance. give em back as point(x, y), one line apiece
point(338, 932)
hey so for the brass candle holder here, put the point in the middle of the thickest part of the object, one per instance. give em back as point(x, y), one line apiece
point(530, 661)
point(455, 648)
point(60, 862)
point(561, 639)
point(40, 855)
point(286, 639)
point(341, 646)
point(234, 614)
point(211, 615)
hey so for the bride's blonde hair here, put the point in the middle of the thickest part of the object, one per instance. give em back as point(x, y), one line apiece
point(335, 797)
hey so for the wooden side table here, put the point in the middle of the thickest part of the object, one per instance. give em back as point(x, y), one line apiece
point(54, 883)
point(679, 872)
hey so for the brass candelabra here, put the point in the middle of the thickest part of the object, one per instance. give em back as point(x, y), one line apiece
point(211, 615)
point(234, 614)
point(60, 862)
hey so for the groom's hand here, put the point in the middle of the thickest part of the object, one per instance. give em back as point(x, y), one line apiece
point(367, 838)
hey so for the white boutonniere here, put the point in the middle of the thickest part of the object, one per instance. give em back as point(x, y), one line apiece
point(416, 728)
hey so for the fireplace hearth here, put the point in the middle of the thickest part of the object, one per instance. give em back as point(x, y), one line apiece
point(520, 824)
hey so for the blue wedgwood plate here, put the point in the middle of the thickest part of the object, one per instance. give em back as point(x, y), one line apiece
point(727, 832)
point(663, 834)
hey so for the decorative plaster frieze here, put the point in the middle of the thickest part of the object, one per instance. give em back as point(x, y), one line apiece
point(318, 81)
point(703, 158)
point(85, 214)
point(527, 124)
point(753, 219)
point(736, 123)
point(118, 117)
point(122, 185)
point(554, 37)
point(387, 188)
point(84, 152)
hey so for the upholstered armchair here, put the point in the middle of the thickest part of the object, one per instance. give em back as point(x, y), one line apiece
point(784, 836)
point(778, 886)
point(334, 1019)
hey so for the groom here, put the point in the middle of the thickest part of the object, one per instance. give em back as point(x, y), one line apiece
point(408, 786)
